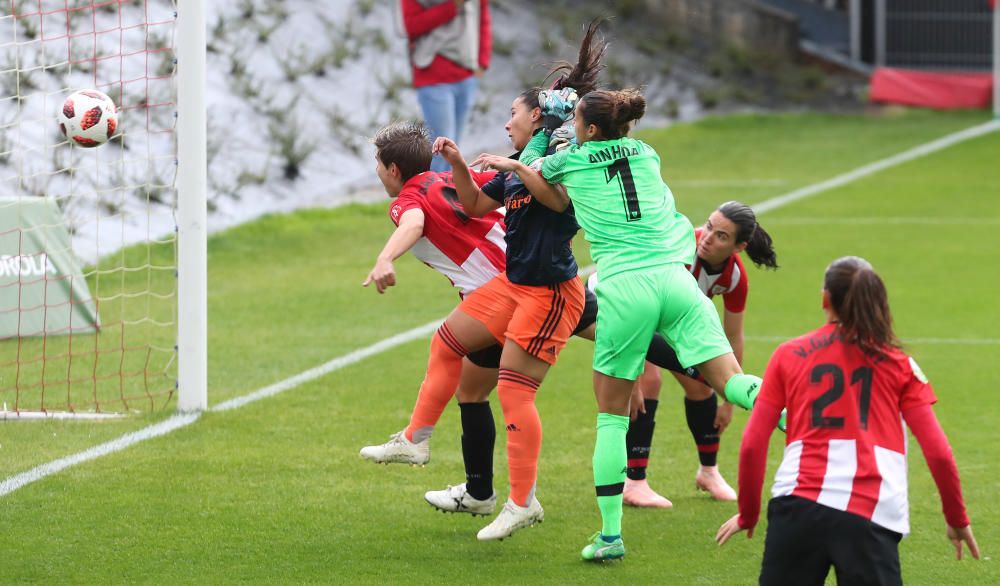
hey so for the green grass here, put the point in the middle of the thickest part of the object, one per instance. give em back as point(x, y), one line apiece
point(275, 491)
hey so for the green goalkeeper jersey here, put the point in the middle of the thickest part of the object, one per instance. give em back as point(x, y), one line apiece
point(625, 209)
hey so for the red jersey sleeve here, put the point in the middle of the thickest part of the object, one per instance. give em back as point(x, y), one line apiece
point(736, 300)
point(405, 202)
point(916, 390)
point(941, 461)
point(485, 35)
point(420, 21)
point(753, 461)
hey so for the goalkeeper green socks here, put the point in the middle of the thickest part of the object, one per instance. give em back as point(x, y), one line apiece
point(742, 390)
point(610, 463)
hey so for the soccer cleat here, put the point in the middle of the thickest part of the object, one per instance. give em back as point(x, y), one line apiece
point(399, 450)
point(512, 518)
point(638, 494)
point(600, 551)
point(711, 481)
point(456, 499)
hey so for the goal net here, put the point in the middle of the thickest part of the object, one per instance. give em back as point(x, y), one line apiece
point(88, 236)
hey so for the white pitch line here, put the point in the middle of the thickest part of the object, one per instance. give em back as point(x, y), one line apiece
point(178, 421)
point(327, 368)
point(726, 182)
point(887, 221)
point(880, 165)
point(918, 341)
point(164, 427)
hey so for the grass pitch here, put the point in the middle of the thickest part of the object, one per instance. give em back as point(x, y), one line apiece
point(275, 491)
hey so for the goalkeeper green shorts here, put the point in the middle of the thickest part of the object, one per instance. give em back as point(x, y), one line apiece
point(635, 304)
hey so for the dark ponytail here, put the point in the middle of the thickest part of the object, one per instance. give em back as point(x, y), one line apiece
point(759, 248)
point(582, 76)
point(612, 112)
point(858, 297)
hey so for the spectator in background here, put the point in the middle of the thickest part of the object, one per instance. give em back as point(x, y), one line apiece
point(449, 48)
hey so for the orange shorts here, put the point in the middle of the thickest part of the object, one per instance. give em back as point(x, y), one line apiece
point(538, 318)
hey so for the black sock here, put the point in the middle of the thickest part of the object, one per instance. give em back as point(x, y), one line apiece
point(661, 354)
point(701, 422)
point(639, 439)
point(479, 434)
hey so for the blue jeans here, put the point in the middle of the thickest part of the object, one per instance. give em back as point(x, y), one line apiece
point(446, 108)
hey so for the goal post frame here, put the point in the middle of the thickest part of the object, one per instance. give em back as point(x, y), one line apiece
point(192, 209)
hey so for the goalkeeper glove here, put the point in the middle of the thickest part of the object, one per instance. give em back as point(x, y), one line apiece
point(557, 106)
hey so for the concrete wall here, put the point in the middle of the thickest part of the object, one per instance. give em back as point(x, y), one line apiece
point(742, 23)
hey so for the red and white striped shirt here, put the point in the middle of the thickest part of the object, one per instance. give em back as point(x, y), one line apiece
point(731, 282)
point(468, 251)
point(846, 439)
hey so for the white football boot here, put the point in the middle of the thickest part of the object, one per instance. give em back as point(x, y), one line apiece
point(456, 499)
point(512, 518)
point(399, 450)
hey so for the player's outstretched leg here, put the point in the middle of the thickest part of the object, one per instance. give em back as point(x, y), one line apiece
point(444, 368)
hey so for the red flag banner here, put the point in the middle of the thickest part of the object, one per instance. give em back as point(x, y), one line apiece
point(931, 89)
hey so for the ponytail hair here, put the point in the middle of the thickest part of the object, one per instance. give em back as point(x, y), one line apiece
point(759, 248)
point(612, 111)
point(859, 298)
point(581, 76)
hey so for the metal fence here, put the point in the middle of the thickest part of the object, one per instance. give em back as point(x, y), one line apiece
point(952, 35)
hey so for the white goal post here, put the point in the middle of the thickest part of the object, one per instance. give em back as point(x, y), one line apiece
point(103, 250)
point(192, 189)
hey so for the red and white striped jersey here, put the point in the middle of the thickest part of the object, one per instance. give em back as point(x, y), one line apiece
point(731, 282)
point(468, 251)
point(846, 440)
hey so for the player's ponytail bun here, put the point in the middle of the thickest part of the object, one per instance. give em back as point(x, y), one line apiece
point(613, 112)
point(629, 106)
point(859, 298)
point(759, 248)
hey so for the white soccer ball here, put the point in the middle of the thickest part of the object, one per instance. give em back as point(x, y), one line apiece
point(88, 118)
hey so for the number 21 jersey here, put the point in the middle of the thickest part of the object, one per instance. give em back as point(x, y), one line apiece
point(846, 441)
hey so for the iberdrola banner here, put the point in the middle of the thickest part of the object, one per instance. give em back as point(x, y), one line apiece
point(42, 290)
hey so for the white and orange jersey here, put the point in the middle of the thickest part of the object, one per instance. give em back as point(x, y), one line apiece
point(846, 442)
point(731, 282)
point(468, 251)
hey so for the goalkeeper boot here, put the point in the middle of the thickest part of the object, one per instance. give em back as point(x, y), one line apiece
point(638, 493)
point(399, 450)
point(456, 499)
point(600, 550)
point(512, 518)
point(711, 481)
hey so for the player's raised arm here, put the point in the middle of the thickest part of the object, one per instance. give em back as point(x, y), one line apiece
point(473, 200)
point(551, 196)
point(409, 231)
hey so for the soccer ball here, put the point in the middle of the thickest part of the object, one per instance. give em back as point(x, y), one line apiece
point(88, 118)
